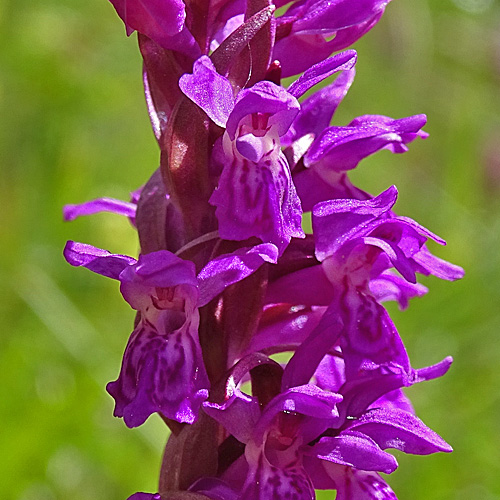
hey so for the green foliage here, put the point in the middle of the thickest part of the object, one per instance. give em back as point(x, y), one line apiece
point(74, 126)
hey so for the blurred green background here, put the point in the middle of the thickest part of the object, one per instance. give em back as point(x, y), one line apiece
point(73, 126)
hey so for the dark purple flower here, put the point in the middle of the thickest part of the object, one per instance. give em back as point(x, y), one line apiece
point(308, 437)
point(356, 241)
point(272, 463)
point(374, 415)
point(255, 195)
point(163, 369)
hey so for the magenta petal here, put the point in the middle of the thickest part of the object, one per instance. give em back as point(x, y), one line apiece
point(71, 212)
point(309, 286)
point(158, 19)
point(342, 148)
point(312, 188)
point(97, 260)
point(209, 90)
point(347, 36)
point(388, 286)
point(317, 110)
point(162, 15)
point(291, 328)
point(162, 269)
point(355, 450)
point(162, 371)
point(396, 256)
point(223, 271)
point(362, 392)
point(308, 25)
point(306, 399)
point(298, 52)
point(431, 372)
point(330, 374)
point(308, 356)
point(238, 415)
point(398, 429)
point(430, 264)
point(340, 62)
point(394, 400)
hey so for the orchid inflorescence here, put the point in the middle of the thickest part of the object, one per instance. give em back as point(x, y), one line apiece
point(228, 285)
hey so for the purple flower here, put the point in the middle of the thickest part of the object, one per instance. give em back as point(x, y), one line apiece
point(240, 161)
point(308, 437)
point(272, 465)
point(356, 241)
point(163, 369)
point(373, 408)
point(255, 195)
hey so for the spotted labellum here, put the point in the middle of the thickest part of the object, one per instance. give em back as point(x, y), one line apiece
point(263, 343)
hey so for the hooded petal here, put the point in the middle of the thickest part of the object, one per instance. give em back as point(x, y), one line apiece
point(266, 98)
point(307, 400)
point(161, 269)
